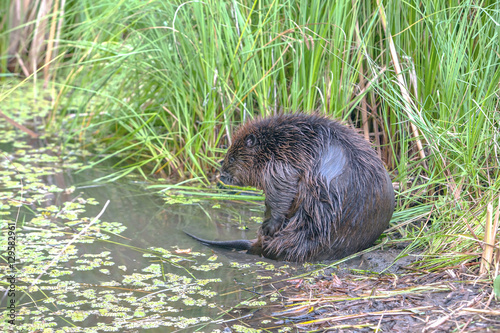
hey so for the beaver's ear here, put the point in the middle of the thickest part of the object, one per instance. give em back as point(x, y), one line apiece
point(250, 140)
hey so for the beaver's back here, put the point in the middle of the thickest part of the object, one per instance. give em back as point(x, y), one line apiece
point(344, 198)
point(328, 194)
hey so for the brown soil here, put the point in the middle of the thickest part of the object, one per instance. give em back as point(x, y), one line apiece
point(392, 298)
point(449, 301)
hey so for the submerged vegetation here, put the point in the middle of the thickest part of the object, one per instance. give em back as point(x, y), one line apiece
point(158, 86)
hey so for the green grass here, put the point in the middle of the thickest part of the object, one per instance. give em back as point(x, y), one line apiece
point(164, 83)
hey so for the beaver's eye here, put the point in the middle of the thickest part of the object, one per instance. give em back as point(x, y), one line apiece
point(250, 140)
point(231, 159)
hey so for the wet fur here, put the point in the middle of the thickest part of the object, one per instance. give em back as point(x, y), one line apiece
point(328, 194)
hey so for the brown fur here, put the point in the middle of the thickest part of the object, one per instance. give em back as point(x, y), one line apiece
point(328, 194)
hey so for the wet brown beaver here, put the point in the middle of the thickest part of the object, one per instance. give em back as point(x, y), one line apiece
point(328, 194)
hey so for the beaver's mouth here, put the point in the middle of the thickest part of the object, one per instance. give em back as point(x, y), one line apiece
point(227, 179)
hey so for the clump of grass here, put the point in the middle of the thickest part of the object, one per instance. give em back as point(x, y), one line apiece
point(186, 74)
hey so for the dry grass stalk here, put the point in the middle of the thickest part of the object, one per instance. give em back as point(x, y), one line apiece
point(404, 90)
point(37, 48)
point(364, 107)
point(489, 241)
point(50, 45)
point(409, 311)
point(17, 125)
point(31, 38)
point(495, 230)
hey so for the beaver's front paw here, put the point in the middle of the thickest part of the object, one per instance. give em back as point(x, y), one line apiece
point(271, 226)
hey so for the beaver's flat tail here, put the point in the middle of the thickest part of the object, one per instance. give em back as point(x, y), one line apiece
point(239, 244)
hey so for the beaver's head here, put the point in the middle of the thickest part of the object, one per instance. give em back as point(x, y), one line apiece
point(239, 165)
point(264, 150)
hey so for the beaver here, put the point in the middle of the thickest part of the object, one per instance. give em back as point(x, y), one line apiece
point(327, 192)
